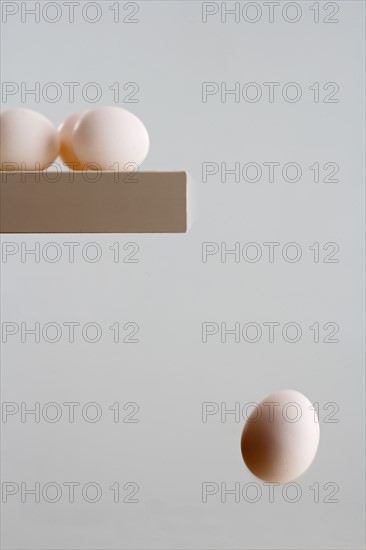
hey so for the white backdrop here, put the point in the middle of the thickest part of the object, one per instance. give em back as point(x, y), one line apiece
point(161, 290)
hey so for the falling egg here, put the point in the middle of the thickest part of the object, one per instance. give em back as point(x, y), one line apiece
point(111, 138)
point(29, 141)
point(65, 131)
point(280, 437)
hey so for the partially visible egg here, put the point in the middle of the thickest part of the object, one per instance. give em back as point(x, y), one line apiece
point(112, 138)
point(65, 131)
point(280, 437)
point(28, 140)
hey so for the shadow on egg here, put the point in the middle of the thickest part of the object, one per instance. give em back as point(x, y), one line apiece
point(280, 437)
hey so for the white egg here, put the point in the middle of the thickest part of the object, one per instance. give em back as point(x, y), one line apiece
point(65, 131)
point(112, 138)
point(281, 437)
point(29, 141)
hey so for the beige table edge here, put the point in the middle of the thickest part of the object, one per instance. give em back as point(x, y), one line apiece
point(108, 202)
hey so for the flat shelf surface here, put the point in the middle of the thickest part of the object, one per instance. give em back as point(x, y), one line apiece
point(93, 202)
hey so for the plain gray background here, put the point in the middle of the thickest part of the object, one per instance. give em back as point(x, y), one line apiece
point(170, 292)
